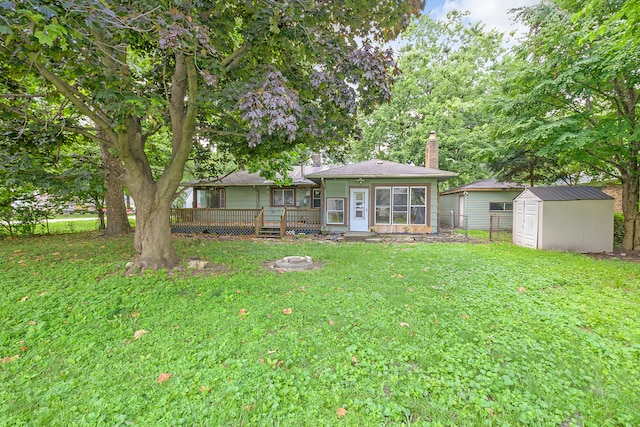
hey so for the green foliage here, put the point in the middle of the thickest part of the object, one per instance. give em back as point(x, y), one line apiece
point(448, 69)
point(395, 334)
point(570, 98)
point(618, 229)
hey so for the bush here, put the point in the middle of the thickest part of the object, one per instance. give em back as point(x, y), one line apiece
point(618, 229)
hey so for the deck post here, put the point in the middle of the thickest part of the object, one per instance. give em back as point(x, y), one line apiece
point(283, 223)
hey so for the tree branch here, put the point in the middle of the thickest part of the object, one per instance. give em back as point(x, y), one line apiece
point(73, 95)
point(231, 61)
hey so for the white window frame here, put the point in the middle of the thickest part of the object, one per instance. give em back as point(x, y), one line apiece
point(504, 207)
point(341, 211)
point(407, 208)
point(284, 198)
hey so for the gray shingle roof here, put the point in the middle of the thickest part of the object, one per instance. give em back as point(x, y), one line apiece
point(381, 169)
point(486, 185)
point(244, 178)
point(569, 193)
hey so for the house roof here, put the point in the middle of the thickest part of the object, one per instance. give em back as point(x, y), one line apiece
point(381, 168)
point(486, 185)
point(246, 179)
point(569, 193)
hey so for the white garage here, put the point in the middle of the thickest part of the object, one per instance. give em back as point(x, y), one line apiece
point(577, 219)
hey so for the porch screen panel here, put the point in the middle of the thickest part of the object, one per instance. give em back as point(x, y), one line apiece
point(383, 205)
point(400, 205)
point(418, 205)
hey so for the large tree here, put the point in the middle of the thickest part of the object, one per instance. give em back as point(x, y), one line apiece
point(255, 77)
point(576, 97)
point(448, 69)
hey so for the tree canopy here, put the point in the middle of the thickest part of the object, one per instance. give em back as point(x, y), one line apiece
point(253, 78)
point(448, 69)
point(573, 95)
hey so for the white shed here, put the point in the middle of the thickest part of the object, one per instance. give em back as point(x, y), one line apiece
point(578, 219)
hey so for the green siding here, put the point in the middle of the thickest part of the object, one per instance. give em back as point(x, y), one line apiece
point(260, 197)
point(478, 213)
point(339, 187)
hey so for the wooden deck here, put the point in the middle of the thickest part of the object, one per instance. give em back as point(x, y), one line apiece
point(244, 221)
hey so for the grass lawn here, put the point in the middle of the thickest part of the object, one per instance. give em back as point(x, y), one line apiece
point(381, 335)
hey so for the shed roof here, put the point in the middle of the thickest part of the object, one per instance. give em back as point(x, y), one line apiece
point(568, 193)
point(382, 169)
point(486, 185)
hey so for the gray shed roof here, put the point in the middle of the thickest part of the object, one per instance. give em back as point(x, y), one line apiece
point(382, 169)
point(486, 185)
point(569, 193)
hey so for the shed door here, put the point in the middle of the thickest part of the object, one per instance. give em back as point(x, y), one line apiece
point(530, 224)
point(359, 212)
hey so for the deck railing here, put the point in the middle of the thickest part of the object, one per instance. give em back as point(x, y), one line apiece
point(303, 220)
point(243, 221)
point(259, 221)
point(215, 216)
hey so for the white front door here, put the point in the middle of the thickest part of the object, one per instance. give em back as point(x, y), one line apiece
point(359, 209)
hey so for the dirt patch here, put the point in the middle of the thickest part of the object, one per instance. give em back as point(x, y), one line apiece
point(629, 256)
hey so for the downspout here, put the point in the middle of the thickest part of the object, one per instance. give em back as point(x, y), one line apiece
point(257, 197)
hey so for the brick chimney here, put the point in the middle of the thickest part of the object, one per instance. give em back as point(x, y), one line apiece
point(316, 158)
point(431, 152)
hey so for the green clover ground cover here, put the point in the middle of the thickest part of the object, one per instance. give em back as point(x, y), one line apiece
point(388, 334)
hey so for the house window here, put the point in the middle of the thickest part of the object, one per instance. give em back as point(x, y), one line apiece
point(335, 210)
point(383, 205)
point(418, 205)
point(401, 205)
point(212, 198)
point(283, 197)
point(316, 200)
point(501, 206)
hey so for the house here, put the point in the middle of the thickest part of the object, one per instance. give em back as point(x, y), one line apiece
point(576, 219)
point(247, 203)
point(480, 205)
point(378, 195)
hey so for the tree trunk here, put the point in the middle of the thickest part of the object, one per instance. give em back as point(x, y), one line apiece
point(153, 241)
point(117, 219)
point(630, 198)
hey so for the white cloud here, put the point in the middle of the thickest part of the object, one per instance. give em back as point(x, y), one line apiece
point(493, 13)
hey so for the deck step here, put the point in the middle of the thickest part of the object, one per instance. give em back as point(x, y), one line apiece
point(269, 232)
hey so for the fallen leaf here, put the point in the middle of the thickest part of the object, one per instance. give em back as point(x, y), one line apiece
point(465, 316)
point(164, 377)
point(175, 328)
point(411, 289)
point(31, 322)
point(139, 333)
point(43, 293)
point(24, 348)
point(25, 298)
point(205, 389)
point(331, 322)
point(522, 289)
point(9, 358)
point(287, 311)
point(341, 412)
point(135, 314)
point(354, 359)
point(242, 312)
point(271, 351)
point(404, 324)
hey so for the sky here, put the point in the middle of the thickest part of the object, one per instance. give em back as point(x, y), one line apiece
point(494, 13)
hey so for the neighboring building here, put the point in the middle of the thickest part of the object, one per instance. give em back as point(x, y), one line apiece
point(482, 204)
point(378, 195)
point(578, 219)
